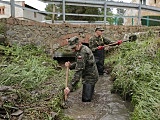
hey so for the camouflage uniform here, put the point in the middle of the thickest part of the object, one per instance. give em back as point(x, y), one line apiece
point(99, 55)
point(85, 67)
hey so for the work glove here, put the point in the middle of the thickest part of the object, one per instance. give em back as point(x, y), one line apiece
point(119, 42)
point(100, 47)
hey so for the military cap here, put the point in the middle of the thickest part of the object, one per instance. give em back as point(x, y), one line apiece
point(99, 29)
point(73, 41)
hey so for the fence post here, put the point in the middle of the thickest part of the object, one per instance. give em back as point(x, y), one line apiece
point(105, 12)
point(139, 15)
point(115, 20)
point(132, 21)
point(12, 8)
point(147, 20)
point(53, 15)
point(63, 9)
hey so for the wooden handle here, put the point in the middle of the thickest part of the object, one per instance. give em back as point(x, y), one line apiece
point(67, 72)
point(66, 82)
point(131, 39)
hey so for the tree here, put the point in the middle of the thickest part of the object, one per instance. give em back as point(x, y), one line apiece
point(109, 13)
point(81, 10)
point(120, 12)
point(49, 8)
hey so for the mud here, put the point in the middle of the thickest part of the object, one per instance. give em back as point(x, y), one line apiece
point(104, 106)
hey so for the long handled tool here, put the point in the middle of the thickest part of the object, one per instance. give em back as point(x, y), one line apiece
point(64, 104)
point(131, 39)
point(66, 82)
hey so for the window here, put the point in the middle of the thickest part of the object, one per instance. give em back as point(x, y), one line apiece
point(2, 10)
point(35, 15)
point(143, 2)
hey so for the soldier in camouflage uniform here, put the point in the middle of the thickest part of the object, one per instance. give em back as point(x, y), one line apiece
point(96, 44)
point(85, 68)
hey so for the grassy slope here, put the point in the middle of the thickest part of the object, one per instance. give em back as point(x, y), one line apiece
point(137, 72)
point(36, 79)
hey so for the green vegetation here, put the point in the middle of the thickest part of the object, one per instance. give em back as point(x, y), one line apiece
point(2, 28)
point(78, 10)
point(145, 20)
point(137, 72)
point(36, 79)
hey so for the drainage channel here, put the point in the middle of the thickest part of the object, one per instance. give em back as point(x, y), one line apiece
point(104, 106)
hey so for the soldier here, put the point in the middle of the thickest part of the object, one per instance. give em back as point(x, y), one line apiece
point(96, 44)
point(85, 68)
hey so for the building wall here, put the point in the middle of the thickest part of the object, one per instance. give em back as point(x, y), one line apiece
point(33, 15)
point(20, 13)
point(7, 13)
point(133, 12)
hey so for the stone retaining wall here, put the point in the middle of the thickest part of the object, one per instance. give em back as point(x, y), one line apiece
point(52, 36)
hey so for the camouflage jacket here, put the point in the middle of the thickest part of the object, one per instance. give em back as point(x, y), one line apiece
point(95, 41)
point(85, 67)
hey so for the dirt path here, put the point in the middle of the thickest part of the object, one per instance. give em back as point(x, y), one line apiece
point(104, 106)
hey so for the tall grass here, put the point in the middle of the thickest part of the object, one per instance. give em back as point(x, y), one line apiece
point(138, 76)
point(35, 77)
point(25, 67)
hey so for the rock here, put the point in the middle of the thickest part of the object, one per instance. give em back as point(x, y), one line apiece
point(2, 39)
point(53, 115)
point(17, 113)
point(5, 88)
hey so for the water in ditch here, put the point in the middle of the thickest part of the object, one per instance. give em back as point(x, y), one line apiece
point(104, 106)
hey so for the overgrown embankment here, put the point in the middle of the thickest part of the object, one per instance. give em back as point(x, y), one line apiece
point(137, 75)
point(31, 84)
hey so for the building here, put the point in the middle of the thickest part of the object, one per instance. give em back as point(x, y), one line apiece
point(133, 12)
point(5, 12)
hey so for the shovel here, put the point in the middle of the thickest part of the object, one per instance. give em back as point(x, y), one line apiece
point(64, 104)
point(66, 82)
point(131, 39)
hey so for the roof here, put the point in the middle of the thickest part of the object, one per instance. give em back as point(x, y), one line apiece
point(30, 7)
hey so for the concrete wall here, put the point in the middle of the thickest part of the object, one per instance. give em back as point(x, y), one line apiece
point(53, 36)
point(20, 13)
point(33, 15)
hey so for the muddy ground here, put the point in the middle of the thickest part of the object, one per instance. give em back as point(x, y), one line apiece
point(104, 106)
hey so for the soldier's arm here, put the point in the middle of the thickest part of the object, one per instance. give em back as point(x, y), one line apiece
point(107, 41)
point(92, 45)
point(72, 66)
point(75, 80)
point(79, 67)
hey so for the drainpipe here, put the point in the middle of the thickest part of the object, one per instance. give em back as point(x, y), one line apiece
point(12, 8)
point(63, 10)
point(147, 20)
